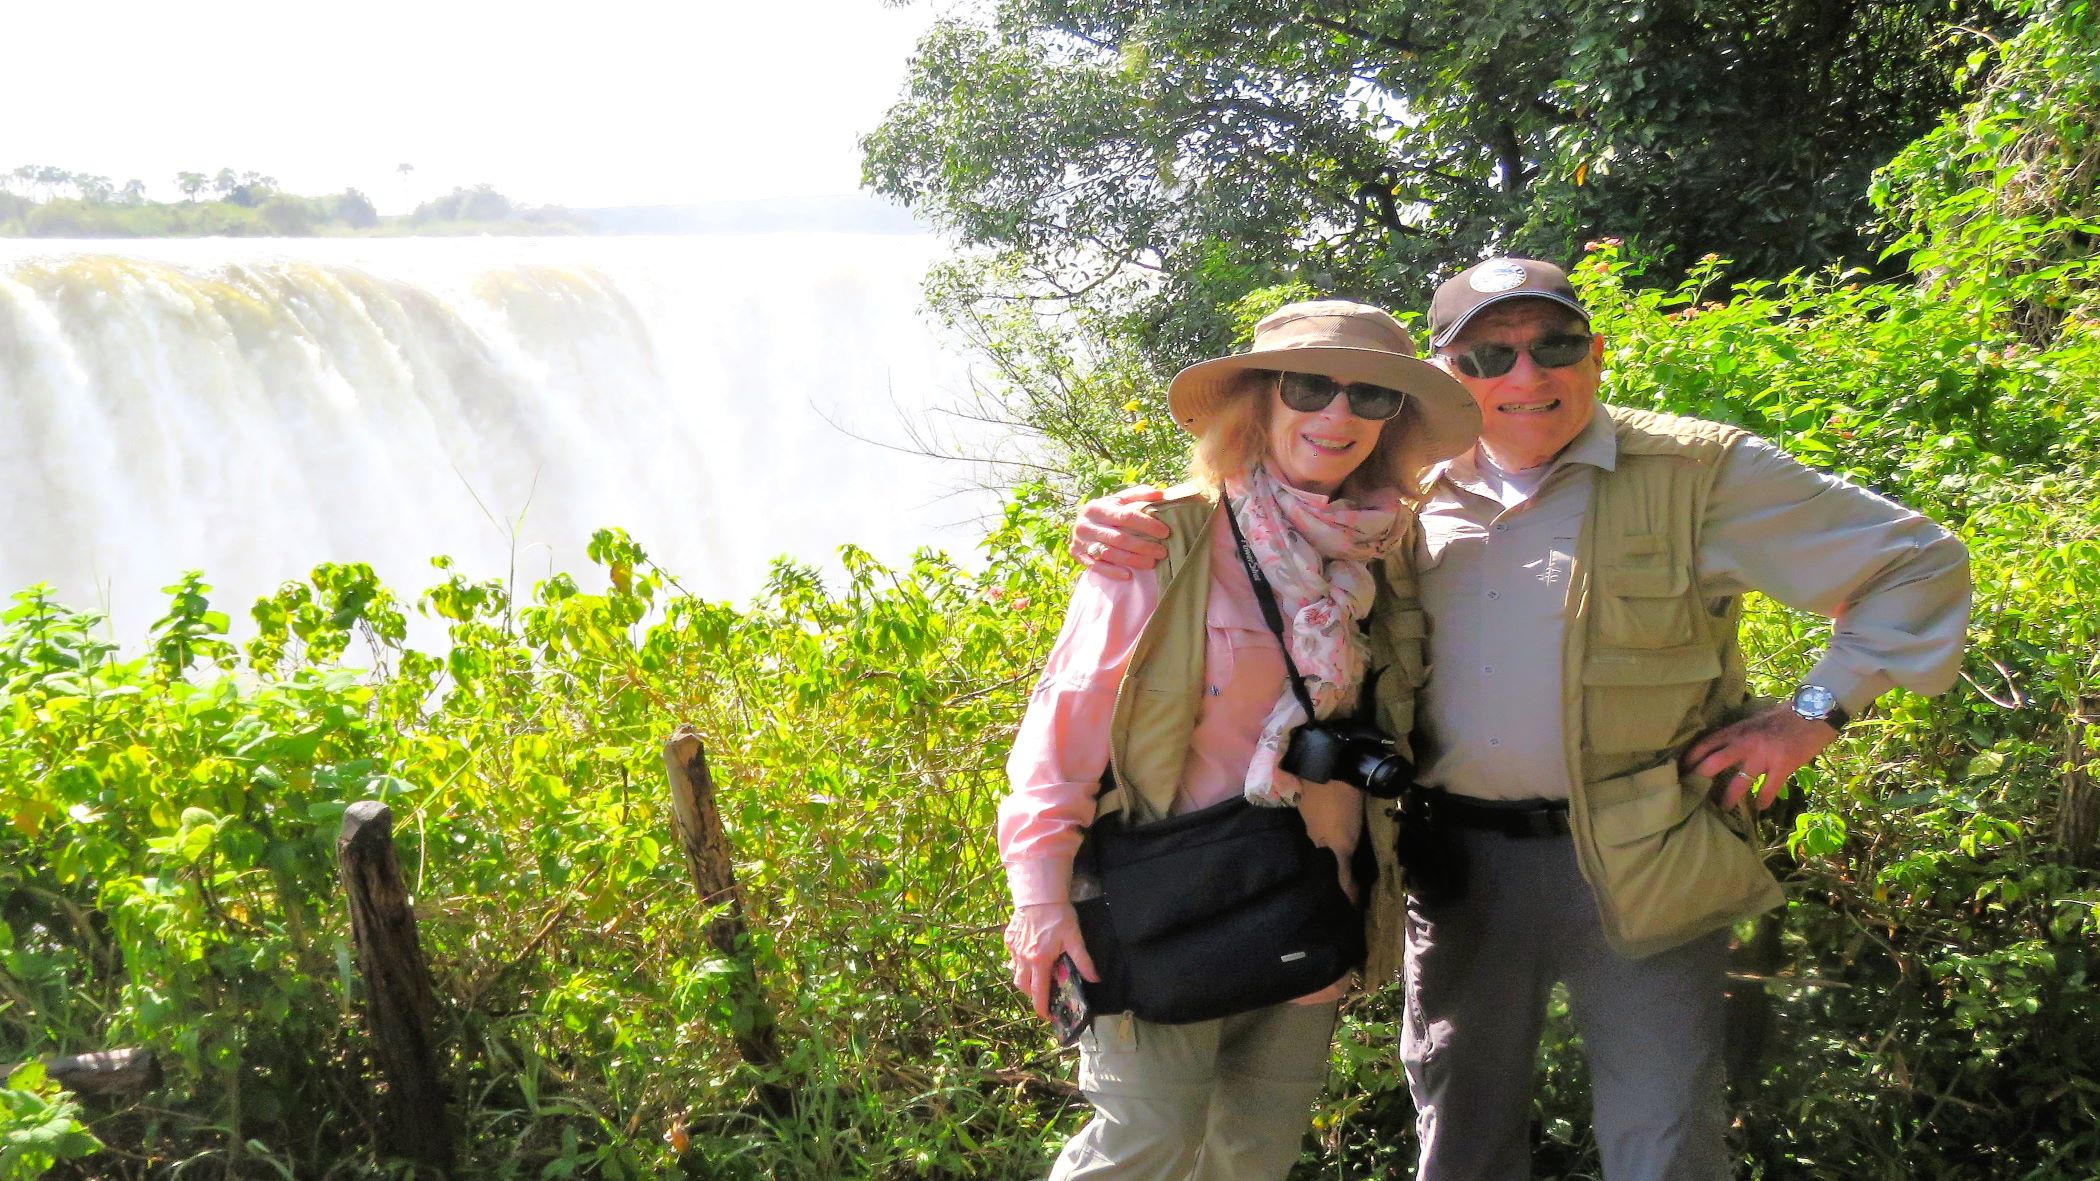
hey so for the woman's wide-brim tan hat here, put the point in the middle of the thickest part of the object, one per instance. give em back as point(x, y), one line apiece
point(1349, 342)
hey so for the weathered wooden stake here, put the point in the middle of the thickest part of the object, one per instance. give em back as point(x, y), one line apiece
point(399, 1004)
point(2078, 809)
point(707, 856)
point(104, 1072)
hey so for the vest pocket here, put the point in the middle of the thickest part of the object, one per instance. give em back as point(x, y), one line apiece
point(1670, 867)
point(1643, 604)
point(1637, 699)
point(1635, 807)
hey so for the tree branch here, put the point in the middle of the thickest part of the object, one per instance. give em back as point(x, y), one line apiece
point(1346, 29)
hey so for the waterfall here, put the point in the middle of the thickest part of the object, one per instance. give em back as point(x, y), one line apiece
point(252, 408)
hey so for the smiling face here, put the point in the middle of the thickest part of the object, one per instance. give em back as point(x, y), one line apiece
point(1528, 414)
point(1314, 451)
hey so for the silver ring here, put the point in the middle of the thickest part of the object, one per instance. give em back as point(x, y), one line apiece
point(1095, 549)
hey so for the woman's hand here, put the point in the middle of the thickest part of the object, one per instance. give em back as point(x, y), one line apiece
point(1035, 937)
point(1115, 533)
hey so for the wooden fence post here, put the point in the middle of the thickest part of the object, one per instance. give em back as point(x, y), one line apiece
point(399, 1003)
point(2078, 809)
point(707, 857)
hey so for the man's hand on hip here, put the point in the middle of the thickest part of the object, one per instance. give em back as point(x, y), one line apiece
point(1118, 535)
point(1759, 753)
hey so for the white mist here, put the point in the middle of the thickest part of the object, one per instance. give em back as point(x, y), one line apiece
point(252, 408)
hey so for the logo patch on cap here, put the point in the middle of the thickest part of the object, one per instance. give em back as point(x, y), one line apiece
point(1501, 275)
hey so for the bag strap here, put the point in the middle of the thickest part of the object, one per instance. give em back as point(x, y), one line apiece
point(1269, 610)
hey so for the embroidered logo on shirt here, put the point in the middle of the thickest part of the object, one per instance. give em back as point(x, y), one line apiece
point(1498, 276)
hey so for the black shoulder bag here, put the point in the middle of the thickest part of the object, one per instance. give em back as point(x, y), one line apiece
point(1214, 912)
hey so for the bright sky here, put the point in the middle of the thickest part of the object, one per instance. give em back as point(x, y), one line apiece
point(591, 102)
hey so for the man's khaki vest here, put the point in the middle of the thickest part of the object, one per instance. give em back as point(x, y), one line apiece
point(1652, 665)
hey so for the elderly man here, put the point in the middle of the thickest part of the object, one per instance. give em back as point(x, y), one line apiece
point(1584, 754)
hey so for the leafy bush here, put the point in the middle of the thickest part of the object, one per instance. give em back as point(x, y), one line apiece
point(172, 881)
point(39, 1125)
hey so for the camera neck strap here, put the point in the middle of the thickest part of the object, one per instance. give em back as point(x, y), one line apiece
point(1269, 610)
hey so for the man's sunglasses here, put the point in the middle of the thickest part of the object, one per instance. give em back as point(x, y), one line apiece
point(1309, 393)
point(1494, 360)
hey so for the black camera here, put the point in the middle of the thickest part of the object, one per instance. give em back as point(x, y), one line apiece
point(1352, 752)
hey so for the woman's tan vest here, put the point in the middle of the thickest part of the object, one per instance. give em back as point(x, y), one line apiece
point(1162, 689)
point(1653, 664)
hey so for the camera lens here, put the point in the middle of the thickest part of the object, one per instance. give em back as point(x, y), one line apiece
point(1382, 776)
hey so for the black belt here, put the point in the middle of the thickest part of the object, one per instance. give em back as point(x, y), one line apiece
point(1511, 818)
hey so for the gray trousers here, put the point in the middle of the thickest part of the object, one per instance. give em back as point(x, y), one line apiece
point(1478, 973)
point(1225, 1100)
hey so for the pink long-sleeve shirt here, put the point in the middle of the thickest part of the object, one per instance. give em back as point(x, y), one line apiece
point(1062, 746)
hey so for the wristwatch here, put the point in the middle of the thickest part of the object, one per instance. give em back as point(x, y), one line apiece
point(1818, 704)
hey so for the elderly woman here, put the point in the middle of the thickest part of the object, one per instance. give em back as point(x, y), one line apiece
point(1177, 685)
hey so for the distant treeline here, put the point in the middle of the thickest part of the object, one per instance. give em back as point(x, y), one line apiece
point(38, 201)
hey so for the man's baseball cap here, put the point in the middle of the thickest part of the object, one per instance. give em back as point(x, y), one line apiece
point(1498, 280)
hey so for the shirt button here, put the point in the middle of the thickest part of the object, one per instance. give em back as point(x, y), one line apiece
point(1494, 594)
point(1501, 527)
point(1489, 670)
point(1494, 742)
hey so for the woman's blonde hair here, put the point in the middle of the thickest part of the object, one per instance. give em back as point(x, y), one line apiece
point(1237, 438)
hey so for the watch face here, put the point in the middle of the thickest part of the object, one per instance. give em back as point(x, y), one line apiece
point(1814, 701)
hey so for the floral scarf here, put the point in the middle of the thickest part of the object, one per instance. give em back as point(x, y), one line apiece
point(1316, 552)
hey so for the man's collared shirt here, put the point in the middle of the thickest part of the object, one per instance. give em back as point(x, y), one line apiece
point(1494, 563)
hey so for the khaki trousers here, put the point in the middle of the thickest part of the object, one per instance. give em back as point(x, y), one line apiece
point(1225, 1100)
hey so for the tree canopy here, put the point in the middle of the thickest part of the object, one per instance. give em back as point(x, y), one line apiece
point(1374, 146)
point(41, 201)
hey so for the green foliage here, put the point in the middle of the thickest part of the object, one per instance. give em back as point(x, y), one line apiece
point(1937, 950)
point(353, 209)
point(39, 1125)
point(480, 203)
point(169, 863)
point(2002, 201)
point(1164, 159)
point(477, 209)
point(54, 203)
point(1072, 378)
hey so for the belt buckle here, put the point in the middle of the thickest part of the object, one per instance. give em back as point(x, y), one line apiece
point(1541, 823)
point(1536, 822)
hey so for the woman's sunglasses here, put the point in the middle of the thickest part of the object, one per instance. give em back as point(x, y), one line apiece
point(1494, 360)
point(1309, 393)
